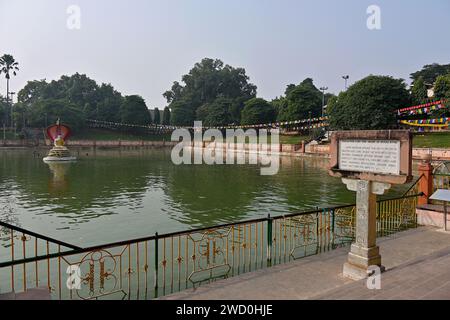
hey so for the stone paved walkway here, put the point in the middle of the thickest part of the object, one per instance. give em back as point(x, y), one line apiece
point(41, 293)
point(417, 267)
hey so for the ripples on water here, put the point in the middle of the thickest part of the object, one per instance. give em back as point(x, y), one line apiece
point(112, 195)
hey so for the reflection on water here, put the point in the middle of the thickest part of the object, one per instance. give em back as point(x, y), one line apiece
point(58, 184)
point(111, 195)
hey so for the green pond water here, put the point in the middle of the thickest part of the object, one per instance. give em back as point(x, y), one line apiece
point(113, 195)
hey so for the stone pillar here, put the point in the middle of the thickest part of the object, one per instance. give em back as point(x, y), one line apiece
point(426, 182)
point(364, 251)
point(303, 146)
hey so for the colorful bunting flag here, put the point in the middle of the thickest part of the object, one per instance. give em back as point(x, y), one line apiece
point(311, 123)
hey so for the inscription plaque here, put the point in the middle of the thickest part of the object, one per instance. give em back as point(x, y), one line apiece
point(369, 162)
point(375, 156)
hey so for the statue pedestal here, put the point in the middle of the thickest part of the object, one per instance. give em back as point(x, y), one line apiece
point(59, 153)
point(364, 253)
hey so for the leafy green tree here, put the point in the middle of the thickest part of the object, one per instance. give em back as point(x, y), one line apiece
point(134, 111)
point(302, 101)
point(328, 96)
point(107, 104)
point(235, 109)
point(33, 92)
point(8, 66)
point(331, 103)
point(100, 102)
point(430, 72)
point(442, 92)
point(20, 115)
point(289, 88)
point(257, 111)
point(280, 105)
point(175, 93)
point(46, 112)
point(419, 91)
point(157, 116)
point(215, 113)
point(80, 90)
point(442, 87)
point(206, 81)
point(369, 104)
point(3, 110)
point(166, 116)
point(182, 113)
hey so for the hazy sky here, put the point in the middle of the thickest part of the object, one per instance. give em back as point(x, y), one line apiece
point(141, 47)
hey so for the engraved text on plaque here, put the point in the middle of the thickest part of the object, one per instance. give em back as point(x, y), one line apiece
point(375, 156)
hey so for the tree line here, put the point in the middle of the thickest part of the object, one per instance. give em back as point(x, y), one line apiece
point(75, 98)
point(219, 94)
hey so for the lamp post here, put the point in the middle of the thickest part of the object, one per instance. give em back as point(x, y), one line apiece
point(323, 89)
point(345, 79)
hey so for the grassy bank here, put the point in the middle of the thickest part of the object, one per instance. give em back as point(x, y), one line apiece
point(9, 135)
point(432, 140)
point(98, 134)
point(293, 139)
point(103, 135)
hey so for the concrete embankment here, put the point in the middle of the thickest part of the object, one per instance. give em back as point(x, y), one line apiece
point(282, 149)
point(88, 143)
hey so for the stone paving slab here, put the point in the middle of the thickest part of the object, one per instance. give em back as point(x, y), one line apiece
point(417, 266)
point(411, 281)
point(40, 293)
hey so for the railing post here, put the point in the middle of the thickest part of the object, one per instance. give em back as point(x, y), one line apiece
point(426, 182)
point(269, 240)
point(332, 228)
point(156, 264)
point(317, 231)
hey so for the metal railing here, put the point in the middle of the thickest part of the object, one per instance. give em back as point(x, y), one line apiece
point(441, 181)
point(16, 243)
point(158, 265)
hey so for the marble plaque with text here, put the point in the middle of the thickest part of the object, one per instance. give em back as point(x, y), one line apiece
point(374, 156)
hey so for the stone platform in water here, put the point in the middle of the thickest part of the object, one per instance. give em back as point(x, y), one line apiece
point(417, 267)
point(59, 154)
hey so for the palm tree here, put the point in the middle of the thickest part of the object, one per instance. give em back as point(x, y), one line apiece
point(7, 66)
